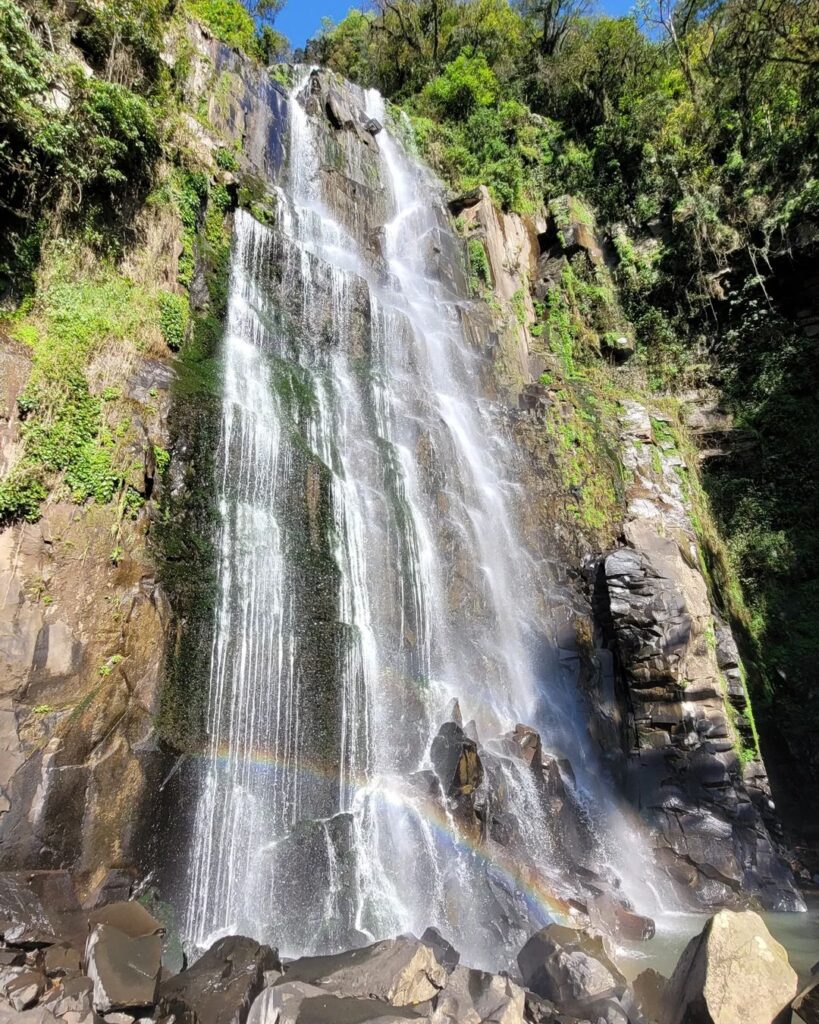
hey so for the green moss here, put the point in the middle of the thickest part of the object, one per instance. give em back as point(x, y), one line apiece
point(586, 454)
point(480, 274)
point(226, 159)
point(518, 302)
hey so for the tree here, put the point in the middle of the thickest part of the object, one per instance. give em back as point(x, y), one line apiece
point(419, 24)
point(554, 19)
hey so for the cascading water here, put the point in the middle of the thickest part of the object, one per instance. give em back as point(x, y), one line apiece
point(370, 575)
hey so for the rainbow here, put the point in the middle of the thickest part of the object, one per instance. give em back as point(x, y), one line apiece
point(524, 879)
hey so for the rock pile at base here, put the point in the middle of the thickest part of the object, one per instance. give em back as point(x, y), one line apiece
point(108, 969)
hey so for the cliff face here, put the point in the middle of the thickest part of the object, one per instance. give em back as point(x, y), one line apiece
point(105, 618)
point(81, 648)
point(669, 707)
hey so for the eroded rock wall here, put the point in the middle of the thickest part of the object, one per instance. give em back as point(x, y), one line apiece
point(81, 658)
point(659, 667)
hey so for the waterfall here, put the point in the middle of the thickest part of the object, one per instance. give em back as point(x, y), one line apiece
point(370, 574)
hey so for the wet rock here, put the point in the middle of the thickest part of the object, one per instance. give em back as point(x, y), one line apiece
point(683, 772)
point(455, 759)
point(570, 969)
point(609, 915)
point(315, 856)
point(648, 988)
point(338, 113)
point(445, 953)
point(115, 887)
point(222, 985)
point(400, 971)
point(525, 742)
point(124, 970)
point(36, 907)
point(472, 997)
point(733, 971)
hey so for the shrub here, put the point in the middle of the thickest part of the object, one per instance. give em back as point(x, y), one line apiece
point(229, 20)
point(174, 318)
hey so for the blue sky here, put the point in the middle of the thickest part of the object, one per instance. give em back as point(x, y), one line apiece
point(300, 19)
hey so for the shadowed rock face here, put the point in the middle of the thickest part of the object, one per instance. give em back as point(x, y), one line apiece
point(684, 770)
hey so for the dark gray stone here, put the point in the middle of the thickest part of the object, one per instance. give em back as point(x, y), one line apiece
point(222, 985)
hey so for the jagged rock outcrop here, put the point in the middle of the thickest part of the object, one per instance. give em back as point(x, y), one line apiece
point(659, 667)
point(686, 699)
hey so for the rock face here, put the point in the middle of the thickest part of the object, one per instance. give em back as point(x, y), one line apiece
point(684, 693)
point(455, 759)
point(733, 971)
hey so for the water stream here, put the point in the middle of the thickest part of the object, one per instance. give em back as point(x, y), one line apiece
point(370, 574)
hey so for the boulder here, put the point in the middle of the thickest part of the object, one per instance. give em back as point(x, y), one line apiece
point(733, 971)
point(36, 1015)
point(127, 916)
point(472, 997)
point(402, 971)
point(295, 1002)
point(124, 970)
point(280, 1002)
point(445, 953)
point(524, 742)
point(570, 969)
point(575, 227)
point(806, 1003)
point(609, 915)
point(36, 907)
point(455, 760)
point(648, 988)
point(222, 985)
point(60, 960)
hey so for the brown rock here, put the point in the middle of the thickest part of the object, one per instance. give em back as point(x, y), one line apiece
point(124, 970)
point(648, 988)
